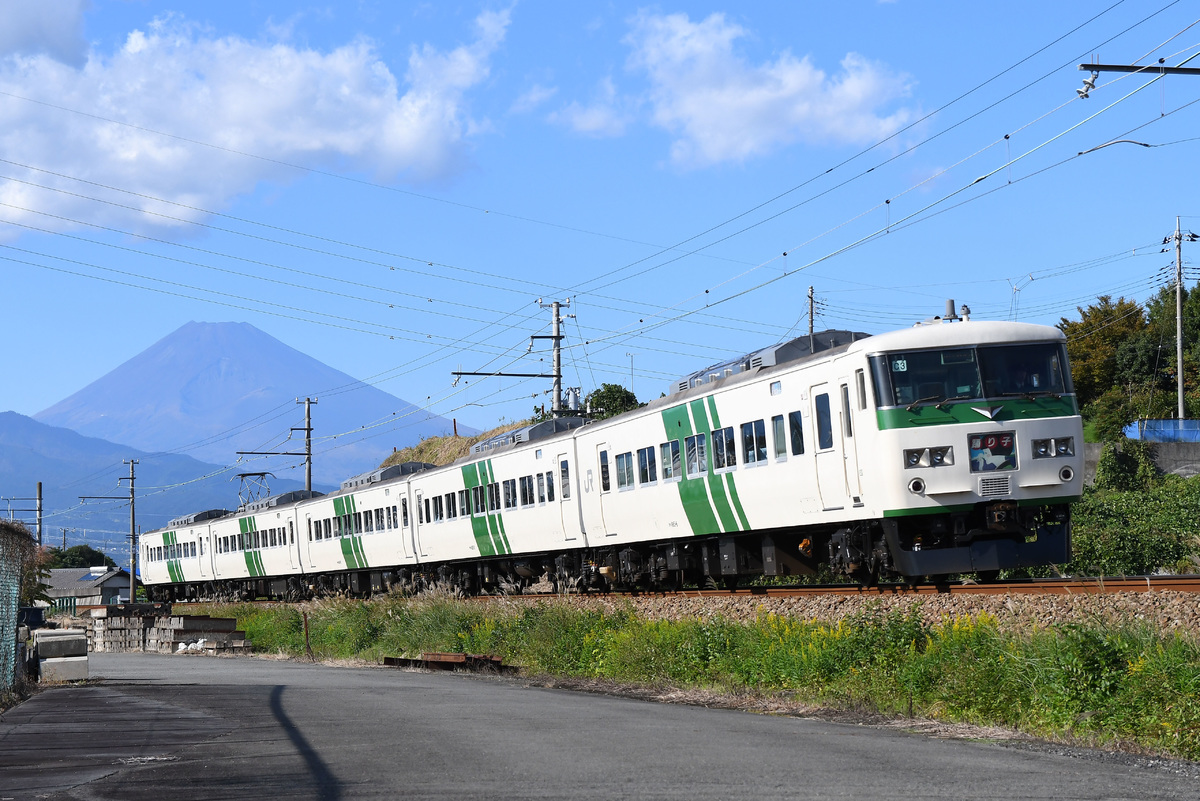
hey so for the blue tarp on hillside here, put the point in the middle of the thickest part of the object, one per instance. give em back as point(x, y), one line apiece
point(1164, 430)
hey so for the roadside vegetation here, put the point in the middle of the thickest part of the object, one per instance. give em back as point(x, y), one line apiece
point(1129, 685)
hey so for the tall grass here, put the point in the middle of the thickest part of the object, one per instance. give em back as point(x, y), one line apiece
point(1106, 684)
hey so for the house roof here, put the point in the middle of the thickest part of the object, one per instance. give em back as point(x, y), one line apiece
point(73, 580)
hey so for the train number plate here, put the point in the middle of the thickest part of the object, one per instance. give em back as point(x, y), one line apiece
point(993, 451)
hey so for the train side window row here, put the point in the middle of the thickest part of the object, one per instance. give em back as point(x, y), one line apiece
point(163, 553)
point(788, 435)
point(365, 522)
point(524, 492)
point(257, 540)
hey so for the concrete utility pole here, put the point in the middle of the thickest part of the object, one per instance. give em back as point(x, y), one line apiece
point(308, 402)
point(557, 338)
point(1179, 315)
point(132, 535)
point(811, 347)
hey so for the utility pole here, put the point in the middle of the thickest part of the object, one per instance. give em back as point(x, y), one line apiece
point(811, 347)
point(556, 337)
point(307, 454)
point(132, 535)
point(1179, 315)
point(39, 514)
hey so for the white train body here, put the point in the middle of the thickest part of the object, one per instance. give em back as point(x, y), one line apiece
point(944, 448)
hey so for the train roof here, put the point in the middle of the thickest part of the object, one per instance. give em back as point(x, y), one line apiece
point(528, 434)
point(284, 499)
point(198, 517)
point(386, 473)
point(780, 353)
point(960, 333)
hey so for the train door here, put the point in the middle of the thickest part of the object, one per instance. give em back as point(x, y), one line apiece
point(603, 481)
point(415, 519)
point(309, 540)
point(568, 504)
point(849, 446)
point(291, 545)
point(831, 467)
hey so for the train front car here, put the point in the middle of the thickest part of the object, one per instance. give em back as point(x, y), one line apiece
point(979, 451)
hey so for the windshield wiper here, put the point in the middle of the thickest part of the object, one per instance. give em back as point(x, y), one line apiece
point(1031, 394)
point(941, 406)
point(912, 406)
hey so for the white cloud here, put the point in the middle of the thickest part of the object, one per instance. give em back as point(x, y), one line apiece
point(721, 108)
point(605, 116)
point(534, 97)
point(340, 109)
point(27, 27)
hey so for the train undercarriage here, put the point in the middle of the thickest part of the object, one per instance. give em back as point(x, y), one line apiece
point(981, 539)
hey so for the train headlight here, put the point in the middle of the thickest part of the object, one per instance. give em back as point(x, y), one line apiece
point(1051, 448)
point(941, 456)
point(929, 457)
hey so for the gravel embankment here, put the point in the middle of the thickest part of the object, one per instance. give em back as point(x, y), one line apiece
point(1173, 611)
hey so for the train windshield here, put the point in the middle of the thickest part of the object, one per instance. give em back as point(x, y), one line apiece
point(910, 378)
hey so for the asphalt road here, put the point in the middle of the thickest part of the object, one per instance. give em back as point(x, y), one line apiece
point(198, 727)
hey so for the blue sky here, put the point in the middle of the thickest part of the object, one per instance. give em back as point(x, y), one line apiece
point(391, 187)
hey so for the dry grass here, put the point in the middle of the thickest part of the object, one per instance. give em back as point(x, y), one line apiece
point(442, 451)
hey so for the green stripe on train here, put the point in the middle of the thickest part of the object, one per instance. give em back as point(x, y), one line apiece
point(960, 412)
point(488, 529)
point(700, 495)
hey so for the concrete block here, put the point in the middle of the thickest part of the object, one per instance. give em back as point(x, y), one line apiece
point(65, 668)
point(62, 646)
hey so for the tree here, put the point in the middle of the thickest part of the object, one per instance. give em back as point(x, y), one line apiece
point(1094, 339)
point(78, 556)
point(610, 400)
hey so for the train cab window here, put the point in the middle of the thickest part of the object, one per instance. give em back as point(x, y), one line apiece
point(564, 472)
point(604, 485)
point(724, 448)
point(754, 442)
point(541, 484)
point(625, 470)
point(847, 428)
point(796, 430)
point(779, 435)
point(824, 422)
point(647, 468)
point(670, 459)
point(695, 450)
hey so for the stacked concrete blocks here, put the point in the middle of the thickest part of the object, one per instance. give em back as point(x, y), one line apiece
point(61, 654)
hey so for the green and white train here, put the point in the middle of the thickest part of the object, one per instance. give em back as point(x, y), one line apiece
point(954, 446)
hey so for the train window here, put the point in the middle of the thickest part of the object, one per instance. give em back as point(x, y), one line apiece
point(464, 502)
point(541, 482)
point(358, 524)
point(565, 473)
point(550, 486)
point(847, 429)
point(526, 490)
point(493, 496)
point(272, 539)
point(202, 547)
point(368, 521)
point(696, 454)
point(780, 437)
point(754, 441)
point(327, 526)
point(604, 485)
point(451, 506)
point(439, 509)
point(422, 510)
point(390, 524)
point(824, 421)
point(510, 493)
point(860, 382)
point(291, 533)
point(724, 448)
point(647, 469)
point(670, 459)
point(797, 433)
point(403, 516)
point(625, 470)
